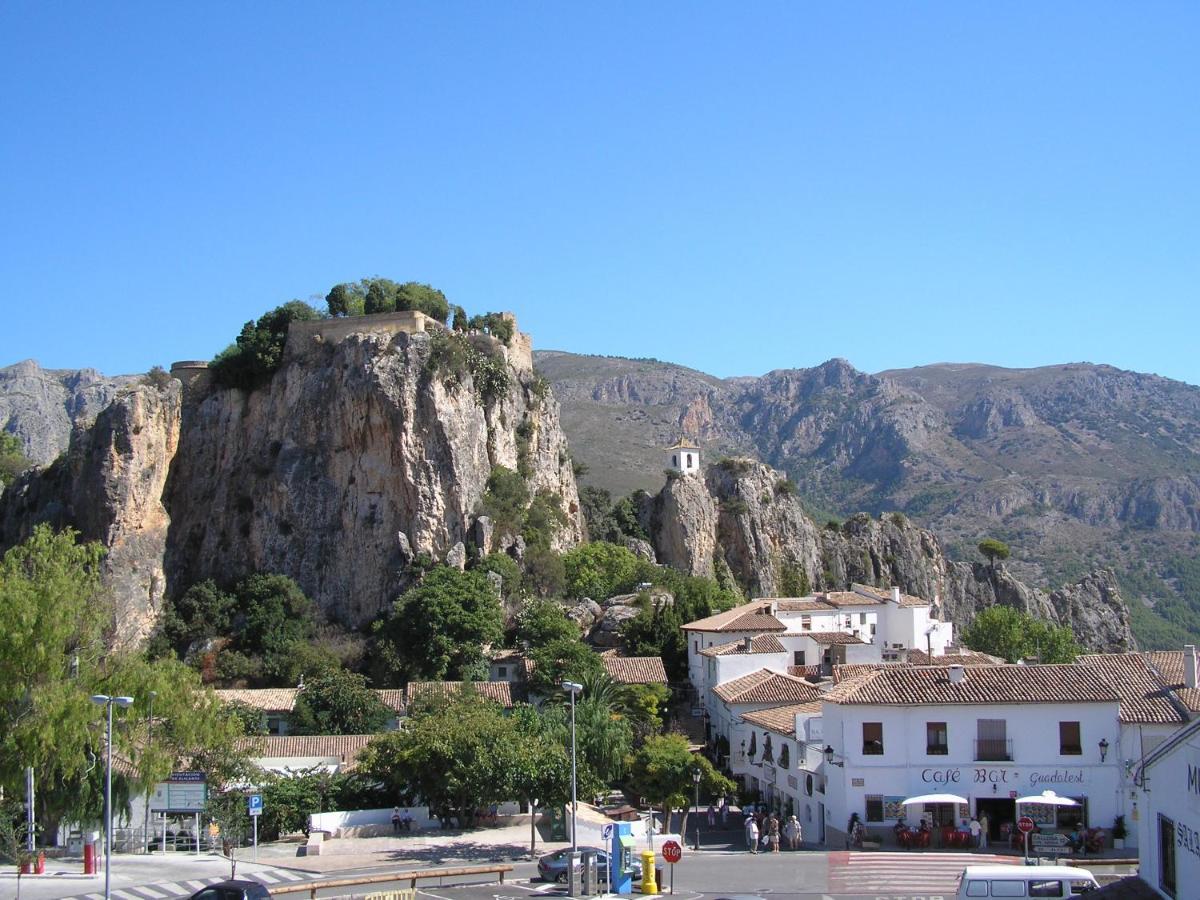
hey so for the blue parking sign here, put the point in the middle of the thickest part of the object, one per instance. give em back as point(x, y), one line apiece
point(256, 804)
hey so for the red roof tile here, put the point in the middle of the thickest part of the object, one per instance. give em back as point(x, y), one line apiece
point(781, 719)
point(1144, 696)
point(635, 669)
point(498, 691)
point(765, 686)
point(914, 686)
point(760, 643)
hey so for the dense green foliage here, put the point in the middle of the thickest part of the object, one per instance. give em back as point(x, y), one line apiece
point(505, 499)
point(382, 295)
point(12, 458)
point(1014, 635)
point(542, 622)
point(559, 660)
point(54, 656)
point(600, 570)
point(462, 755)
point(611, 521)
point(267, 623)
point(437, 629)
point(288, 800)
point(253, 358)
point(661, 771)
point(338, 702)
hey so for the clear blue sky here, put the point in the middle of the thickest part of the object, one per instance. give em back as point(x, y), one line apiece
point(735, 187)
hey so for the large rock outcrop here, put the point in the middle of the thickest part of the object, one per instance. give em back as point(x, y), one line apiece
point(352, 444)
point(744, 513)
point(360, 454)
point(109, 486)
point(42, 406)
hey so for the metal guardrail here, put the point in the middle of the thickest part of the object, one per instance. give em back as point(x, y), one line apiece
point(411, 877)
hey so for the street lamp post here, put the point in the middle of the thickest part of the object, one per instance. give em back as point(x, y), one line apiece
point(696, 781)
point(149, 749)
point(572, 688)
point(107, 702)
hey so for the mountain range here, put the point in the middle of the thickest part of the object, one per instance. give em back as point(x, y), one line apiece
point(1076, 467)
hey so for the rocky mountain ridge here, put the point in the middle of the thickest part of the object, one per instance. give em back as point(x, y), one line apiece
point(736, 514)
point(362, 454)
point(1078, 467)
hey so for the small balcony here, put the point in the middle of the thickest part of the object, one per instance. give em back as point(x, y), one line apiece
point(993, 750)
point(937, 750)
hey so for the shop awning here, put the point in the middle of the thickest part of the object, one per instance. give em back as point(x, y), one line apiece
point(934, 798)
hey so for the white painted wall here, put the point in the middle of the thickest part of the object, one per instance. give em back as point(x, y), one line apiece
point(1171, 793)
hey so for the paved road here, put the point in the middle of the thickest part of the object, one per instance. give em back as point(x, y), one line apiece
point(711, 874)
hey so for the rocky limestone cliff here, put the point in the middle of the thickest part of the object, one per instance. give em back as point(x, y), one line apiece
point(742, 512)
point(358, 455)
point(109, 486)
point(354, 458)
point(42, 406)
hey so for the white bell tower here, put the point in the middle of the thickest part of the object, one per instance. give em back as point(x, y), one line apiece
point(684, 456)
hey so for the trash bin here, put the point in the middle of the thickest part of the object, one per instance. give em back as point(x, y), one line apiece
point(75, 843)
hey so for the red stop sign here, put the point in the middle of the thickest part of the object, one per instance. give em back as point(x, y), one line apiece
point(672, 852)
point(1025, 824)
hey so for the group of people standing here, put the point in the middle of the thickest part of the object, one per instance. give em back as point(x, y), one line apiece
point(765, 830)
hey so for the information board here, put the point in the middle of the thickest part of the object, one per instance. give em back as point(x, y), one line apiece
point(183, 792)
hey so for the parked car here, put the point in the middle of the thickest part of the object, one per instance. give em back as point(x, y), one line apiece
point(553, 866)
point(233, 890)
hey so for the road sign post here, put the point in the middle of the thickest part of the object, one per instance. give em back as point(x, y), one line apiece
point(255, 806)
point(672, 852)
point(1025, 825)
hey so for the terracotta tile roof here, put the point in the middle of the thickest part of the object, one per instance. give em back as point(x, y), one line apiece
point(781, 719)
point(853, 670)
point(885, 595)
point(1169, 665)
point(635, 669)
point(804, 604)
point(497, 691)
point(1144, 696)
point(760, 643)
point(266, 699)
point(393, 698)
point(840, 599)
point(804, 671)
point(753, 616)
point(765, 686)
point(833, 637)
point(954, 658)
point(917, 685)
point(345, 747)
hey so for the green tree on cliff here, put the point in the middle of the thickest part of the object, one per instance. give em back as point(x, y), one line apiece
point(1014, 635)
point(994, 550)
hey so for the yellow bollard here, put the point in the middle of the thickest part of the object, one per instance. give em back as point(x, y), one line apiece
point(648, 884)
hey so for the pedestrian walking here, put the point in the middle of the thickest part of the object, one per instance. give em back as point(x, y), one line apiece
point(395, 820)
point(724, 812)
point(983, 830)
point(773, 834)
point(791, 831)
point(751, 834)
point(975, 832)
point(712, 815)
point(852, 828)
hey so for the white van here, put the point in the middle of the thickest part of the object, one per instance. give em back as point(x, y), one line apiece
point(1024, 881)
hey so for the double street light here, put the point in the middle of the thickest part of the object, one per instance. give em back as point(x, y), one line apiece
point(108, 702)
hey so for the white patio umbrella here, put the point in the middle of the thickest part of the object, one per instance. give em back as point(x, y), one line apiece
point(934, 798)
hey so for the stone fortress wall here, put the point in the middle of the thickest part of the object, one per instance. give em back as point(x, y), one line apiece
point(196, 377)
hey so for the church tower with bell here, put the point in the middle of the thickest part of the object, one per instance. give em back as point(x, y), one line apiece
point(684, 456)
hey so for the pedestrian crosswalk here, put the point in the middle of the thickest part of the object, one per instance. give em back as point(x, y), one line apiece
point(171, 890)
point(887, 874)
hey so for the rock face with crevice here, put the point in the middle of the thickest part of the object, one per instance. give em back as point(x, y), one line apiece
point(743, 513)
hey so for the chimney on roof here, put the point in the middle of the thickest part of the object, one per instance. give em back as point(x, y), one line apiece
point(896, 595)
point(748, 643)
point(773, 607)
point(957, 674)
point(1189, 665)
